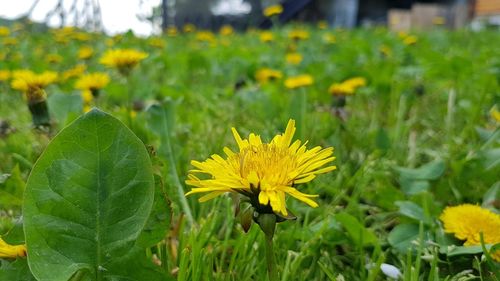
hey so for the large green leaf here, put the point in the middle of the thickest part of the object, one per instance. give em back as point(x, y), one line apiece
point(87, 199)
point(360, 235)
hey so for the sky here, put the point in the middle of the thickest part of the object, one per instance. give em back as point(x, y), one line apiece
point(117, 15)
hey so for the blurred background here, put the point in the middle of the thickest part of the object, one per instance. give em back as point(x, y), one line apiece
point(146, 17)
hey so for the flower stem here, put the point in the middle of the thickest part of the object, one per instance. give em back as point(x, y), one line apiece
point(271, 262)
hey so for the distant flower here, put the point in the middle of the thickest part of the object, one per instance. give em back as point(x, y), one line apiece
point(87, 97)
point(385, 50)
point(82, 36)
point(205, 36)
point(4, 75)
point(4, 31)
point(410, 40)
point(348, 87)
point(10, 41)
point(467, 221)
point(156, 42)
point(264, 75)
point(226, 30)
point(264, 172)
point(10, 251)
point(299, 81)
point(438, 20)
point(171, 31)
point(329, 38)
point(53, 58)
point(266, 36)
point(85, 52)
point(123, 59)
point(188, 28)
point(32, 84)
point(92, 82)
point(293, 58)
point(298, 34)
point(322, 24)
point(273, 10)
point(494, 113)
point(76, 71)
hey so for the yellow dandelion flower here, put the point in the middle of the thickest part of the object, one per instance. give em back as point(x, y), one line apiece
point(293, 58)
point(53, 58)
point(10, 251)
point(4, 31)
point(494, 113)
point(226, 30)
point(205, 36)
point(298, 34)
point(86, 108)
point(122, 59)
point(85, 52)
point(264, 75)
point(10, 41)
point(273, 10)
point(171, 31)
point(25, 80)
point(323, 24)
point(355, 82)
point(438, 20)
point(82, 36)
point(467, 221)
point(340, 89)
point(92, 81)
point(188, 28)
point(156, 42)
point(76, 71)
point(410, 40)
point(265, 172)
point(266, 36)
point(299, 81)
point(87, 97)
point(4, 75)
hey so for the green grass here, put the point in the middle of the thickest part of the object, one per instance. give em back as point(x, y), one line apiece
point(425, 108)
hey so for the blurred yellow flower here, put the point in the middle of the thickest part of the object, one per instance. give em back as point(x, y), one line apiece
point(385, 50)
point(264, 75)
point(323, 24)
point(273, 10)
point(467, 221)
point(298, 34)
point(205, 36)
point(10, 251)
point(87, 97)
point(53, 58)
point(85, 52)
point(265, 172)
point(266, 36)
point(293, 58)
point(32, 84)
point(329, 38)
point(299, 81)
point(188, 28)
point(81, 36)
point(438, 20)
point(76, 71)
point(226, 30)
point(92, 81)
point(171, 31)
point(355, 82)
point(4, 31)
point(156, 42)
point(4, 75)
point(86, 108)
point(410, 40)
point(348, 87)
point(122, 59)
point(10, 41)
point(494, 113)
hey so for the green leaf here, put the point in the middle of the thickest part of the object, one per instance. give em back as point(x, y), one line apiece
point(491, 196)
point(402, 235)
point(87, 200)
point(412, 187)
point(17, 270)
point(159, 220)
point(429, 171)
point(12, 189)
point(65, 107)
point(464, 250)
point(412, 210)
point(358, 232)
point(491, 158)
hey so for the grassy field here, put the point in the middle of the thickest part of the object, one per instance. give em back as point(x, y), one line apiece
point(421, 134)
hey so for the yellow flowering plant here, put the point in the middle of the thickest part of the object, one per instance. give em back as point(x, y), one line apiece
point(273, 10)
point(123, 59)
point(8, 251)
point(92, 82)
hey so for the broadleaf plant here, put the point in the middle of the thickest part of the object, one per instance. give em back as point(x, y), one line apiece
point(87, 200)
